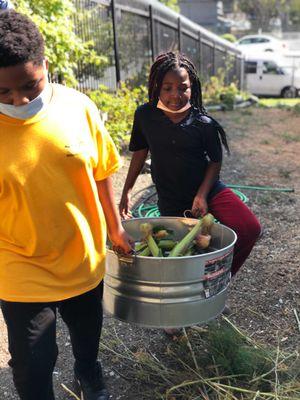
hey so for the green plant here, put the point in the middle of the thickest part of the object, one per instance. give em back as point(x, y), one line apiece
point(284, 173)
point(173, 4)
point(231, 352)
point(229, 36)
point(215, 91)
point(56, 21)
point(296, 109)
point(265, 141)
point(228, 95)
point(120, 108)
point(265, 199)
point(290, 137)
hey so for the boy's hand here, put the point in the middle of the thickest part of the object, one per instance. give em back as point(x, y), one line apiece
point(122, 242)
point(200, 207)
point(124, 206)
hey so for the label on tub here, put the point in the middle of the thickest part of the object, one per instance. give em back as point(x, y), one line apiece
point(217, 274)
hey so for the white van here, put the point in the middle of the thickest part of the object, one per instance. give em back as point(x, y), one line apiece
point(272, 76)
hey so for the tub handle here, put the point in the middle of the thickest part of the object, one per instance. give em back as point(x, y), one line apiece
point(124, 258)
point(188, 214)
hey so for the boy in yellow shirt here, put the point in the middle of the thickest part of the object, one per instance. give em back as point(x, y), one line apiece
point(56, 202)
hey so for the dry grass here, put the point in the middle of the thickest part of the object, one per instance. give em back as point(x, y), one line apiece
point(218, 362)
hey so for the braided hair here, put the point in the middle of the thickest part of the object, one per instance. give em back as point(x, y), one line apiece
point(171, 61)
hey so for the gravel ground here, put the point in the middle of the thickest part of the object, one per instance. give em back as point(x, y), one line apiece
point(265, 298)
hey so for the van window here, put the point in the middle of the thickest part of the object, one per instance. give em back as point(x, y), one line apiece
point(250, 67)
point(269, 67)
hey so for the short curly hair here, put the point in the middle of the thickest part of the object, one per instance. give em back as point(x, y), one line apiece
point(20, 40)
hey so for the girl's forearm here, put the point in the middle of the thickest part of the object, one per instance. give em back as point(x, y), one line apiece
point(136, 165)
point(211, 175)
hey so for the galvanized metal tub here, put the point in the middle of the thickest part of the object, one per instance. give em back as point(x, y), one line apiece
point(169, 292)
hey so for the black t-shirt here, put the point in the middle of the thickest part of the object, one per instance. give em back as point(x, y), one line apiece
point(179, 154)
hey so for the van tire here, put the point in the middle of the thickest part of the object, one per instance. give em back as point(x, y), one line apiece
point(289, 92)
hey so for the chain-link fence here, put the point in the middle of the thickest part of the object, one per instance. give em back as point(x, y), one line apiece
point(131, 33)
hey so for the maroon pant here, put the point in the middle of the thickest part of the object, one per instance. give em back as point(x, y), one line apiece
point(227, 208)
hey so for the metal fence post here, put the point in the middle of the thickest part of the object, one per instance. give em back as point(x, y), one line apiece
point(242, 73)
point(227, 70)
point(179, 34)
point(200, 54)
point(115, 38)
point(152, 32)
point(214, 60)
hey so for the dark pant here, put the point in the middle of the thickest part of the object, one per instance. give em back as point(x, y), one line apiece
point(32, 339)
point(227, 208)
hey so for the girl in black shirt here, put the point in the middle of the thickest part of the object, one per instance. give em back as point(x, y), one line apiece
point(186, 153)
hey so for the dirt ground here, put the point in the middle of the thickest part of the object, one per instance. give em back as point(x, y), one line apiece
point(265, 295)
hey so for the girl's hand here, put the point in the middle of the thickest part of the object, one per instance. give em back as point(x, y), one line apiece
point(200, 207)
point(122, 243)
point(124, 206)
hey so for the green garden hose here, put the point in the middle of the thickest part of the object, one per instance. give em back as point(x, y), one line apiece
point(144, 209)
point(267, 188)
point(151, 210)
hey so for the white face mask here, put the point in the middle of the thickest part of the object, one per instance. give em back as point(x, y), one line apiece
point(161, 105)
point(30, 109)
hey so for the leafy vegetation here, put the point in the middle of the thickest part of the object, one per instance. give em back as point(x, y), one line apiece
point(229, 36)
point(215, 91)
point(120, 108)
point(56, 21)
point(296, 108)
point(173, 4)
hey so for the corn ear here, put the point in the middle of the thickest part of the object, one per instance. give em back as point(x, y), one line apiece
point(166, 244)
point(155, 250)
point(184, 243)
point(207, 223)
point(203, 241)
point(139, 246)
point(163, 233)
point(146, 229)
point(188, 252)
point(146, 252)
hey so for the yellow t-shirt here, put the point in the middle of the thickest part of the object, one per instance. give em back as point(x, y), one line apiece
point(52, 227)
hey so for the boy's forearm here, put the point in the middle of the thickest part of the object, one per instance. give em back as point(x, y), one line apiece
point(211, 175)
point(107, 200)
point(136, 165)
